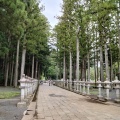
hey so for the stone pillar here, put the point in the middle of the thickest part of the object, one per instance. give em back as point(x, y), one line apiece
point(67, 84)
point(70, 85)
point(77, 86)
point(63, 83)
point(22, 87)
point(73, 85)
point(22, 93)
point(107, 86)
point(116, 84)
point(99, 89)
point(88, 88)
point(80, 84)
point(84, 92)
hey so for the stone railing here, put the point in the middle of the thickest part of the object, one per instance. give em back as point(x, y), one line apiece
point(28, 86)
point(85, 87)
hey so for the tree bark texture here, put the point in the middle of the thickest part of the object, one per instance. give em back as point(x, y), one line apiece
point(70, 76)
point(101, 65)
point(106, 63)
point(12, 69)
point(16, 64)
point(64, 67)
point(77, 59)
point(23, 61)
point(88, 67)
point(36, 70)
point(33, 66)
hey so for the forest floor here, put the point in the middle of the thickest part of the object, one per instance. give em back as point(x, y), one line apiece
point(8, 107)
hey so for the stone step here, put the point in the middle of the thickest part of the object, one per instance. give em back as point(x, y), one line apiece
point(30, 112)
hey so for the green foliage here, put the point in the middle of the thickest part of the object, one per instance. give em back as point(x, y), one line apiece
point(3, 45)
point(53, 69)
point(98, 23)
point(23, 20)
point(8, 95)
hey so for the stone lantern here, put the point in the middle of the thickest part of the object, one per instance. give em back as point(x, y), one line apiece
point(99, 89)
point(22, 87)
point(107, 86)
point(116, 84)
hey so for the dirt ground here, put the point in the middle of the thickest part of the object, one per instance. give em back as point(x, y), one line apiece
point(8, 107)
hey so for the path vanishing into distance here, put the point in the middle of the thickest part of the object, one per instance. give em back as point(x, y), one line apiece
point(54, 103)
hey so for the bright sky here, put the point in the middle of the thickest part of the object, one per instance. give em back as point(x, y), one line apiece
point(52, 9)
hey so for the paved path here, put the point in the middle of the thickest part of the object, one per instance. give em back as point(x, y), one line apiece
point(54, 103)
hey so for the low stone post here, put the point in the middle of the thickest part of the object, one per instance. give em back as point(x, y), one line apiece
point(67, 84)
point(84, 92)
point(74, 86)
point(107, 86)
point(80, 84)
point(88, 87)
point(99, 88)
point(77, 86)
point(70, 85)
point(116, 83)
point(63, 83)
point(89, 83)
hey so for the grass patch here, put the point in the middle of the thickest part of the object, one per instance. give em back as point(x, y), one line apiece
point(8, 95)
point(94, 91)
